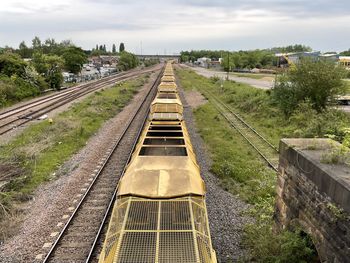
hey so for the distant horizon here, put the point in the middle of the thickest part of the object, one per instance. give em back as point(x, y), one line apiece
point(156, 27)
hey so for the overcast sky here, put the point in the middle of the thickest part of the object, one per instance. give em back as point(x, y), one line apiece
point(175, 25)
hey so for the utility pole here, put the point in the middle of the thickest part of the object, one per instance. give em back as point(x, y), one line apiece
point(228, 64)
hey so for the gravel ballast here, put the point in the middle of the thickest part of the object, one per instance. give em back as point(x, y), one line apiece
point(45, 213)
point(224, 209)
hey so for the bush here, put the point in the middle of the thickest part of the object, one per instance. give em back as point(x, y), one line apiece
point(15, 89)
point(284, 247)
point(317, 82)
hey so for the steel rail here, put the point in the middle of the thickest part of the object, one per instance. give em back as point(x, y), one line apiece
point(68, 98)
point(80, 86)
point(54, 246)
point(217, 103)
point(110, 205)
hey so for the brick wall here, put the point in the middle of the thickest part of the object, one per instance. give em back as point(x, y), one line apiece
point(315, 196)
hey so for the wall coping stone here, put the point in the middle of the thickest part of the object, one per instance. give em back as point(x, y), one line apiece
point(331, 179)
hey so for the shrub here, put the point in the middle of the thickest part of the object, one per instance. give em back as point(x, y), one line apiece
point(317, 82)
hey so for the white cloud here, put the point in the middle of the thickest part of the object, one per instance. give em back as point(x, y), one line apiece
point(176, 25)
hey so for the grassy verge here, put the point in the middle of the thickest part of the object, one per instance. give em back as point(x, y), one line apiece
point(32, 157)
point(252, 75)
point(240, 169)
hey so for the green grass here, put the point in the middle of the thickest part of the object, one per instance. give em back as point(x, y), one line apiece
point(240, 169)
point(347, 84)
point(252, 75)
point(38, 152)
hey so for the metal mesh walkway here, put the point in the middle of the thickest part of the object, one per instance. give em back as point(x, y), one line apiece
point(153, 230)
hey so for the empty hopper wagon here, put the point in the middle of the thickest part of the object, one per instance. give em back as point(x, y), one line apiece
point(160, 213)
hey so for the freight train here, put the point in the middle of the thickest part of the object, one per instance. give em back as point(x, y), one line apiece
point(160, 213)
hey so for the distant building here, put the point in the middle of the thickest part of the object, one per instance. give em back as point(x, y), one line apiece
point(203, 62)
point(345, 61)
point(287, 59)
point(334, 57)
point(99, 61)
point(214, 64)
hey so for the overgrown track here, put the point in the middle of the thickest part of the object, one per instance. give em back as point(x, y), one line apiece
point(78, 238)
point(25, 113)
point(265, 149)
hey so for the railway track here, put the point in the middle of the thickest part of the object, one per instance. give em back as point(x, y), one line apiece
point(80, 235)
point(25, 113)
point(264, 148)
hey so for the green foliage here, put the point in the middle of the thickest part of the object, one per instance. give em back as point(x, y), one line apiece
point(17, 80)
point(121, 47)
point(15, 89)
point(248, 59)
point(43, 147)
point(50, 66)
point(12, 64)
point(24, 51)
point(269, 247)
point(114, 48)
point(337, 155)
point(292, 48)
point(315, 82)
point(150, 62)
point(238, 166)
point(127, 61)
point(74, 58)
point(193, 55)
point(345, 53)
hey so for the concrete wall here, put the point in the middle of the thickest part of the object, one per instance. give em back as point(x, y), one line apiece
point(315, 196)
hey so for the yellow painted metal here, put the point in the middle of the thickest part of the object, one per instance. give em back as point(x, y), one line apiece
point(158, 231)
point(167, 87)
point(160, 214)
point(168, 79)
point(162, 176)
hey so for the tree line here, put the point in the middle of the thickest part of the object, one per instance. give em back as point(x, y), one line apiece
point(246, 59)
point(102, 50)
point(28, 70)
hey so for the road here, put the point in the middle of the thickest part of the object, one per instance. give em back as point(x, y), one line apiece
point(257, 83)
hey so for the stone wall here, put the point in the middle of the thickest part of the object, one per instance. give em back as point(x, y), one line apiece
point(315, 196)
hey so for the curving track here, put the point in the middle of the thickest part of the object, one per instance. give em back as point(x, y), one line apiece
point(77, 240)
point(265, 149)
point(15, 117)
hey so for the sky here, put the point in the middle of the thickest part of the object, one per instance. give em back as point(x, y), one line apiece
point(169, 26)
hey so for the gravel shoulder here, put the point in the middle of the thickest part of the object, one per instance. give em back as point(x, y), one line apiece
point(224, 210)
point(45, 213)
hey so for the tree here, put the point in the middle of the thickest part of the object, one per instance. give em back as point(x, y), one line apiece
point(12, 64)
point(114, 48)
point(121, 47)
point(345, 53)
point(24, 51)
point(317, 83)
point(50, 66)
point(96, 47)
point(36, 43)
point(228, 61)
point(50, 46)
point(127, 61)
point(101, 48)
point(74, 58)
point(104, 48)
